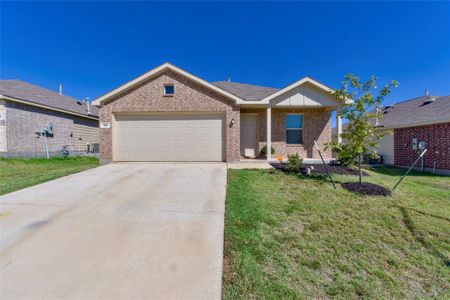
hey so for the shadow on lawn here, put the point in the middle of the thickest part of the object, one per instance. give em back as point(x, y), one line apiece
point(418, 236)
point(395, 171)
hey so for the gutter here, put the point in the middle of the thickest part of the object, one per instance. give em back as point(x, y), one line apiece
point(433, 122)
point(47, 107)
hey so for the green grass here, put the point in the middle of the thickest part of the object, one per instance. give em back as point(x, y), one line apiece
point(292, 237)
point(16, 174)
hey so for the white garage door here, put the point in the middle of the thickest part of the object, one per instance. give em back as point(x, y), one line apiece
point(177, 137)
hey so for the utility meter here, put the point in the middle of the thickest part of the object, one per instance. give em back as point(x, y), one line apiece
point(49, 128)
point(422, 145)
point(414, 144)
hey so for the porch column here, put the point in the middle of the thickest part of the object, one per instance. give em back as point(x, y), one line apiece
point(269, 133)
point(339, 126)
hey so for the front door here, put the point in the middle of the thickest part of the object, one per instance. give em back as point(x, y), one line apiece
point(249, 135)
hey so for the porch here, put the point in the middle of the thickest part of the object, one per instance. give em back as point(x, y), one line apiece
point(287, 130)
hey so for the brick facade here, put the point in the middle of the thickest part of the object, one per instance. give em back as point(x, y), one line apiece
point(22, 123)
point(148, 96)
point(189, 97)
point(436, 136)
point(316, 126)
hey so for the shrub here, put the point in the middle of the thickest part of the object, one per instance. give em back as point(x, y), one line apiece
point(294, 163)
point(344, 158)
point(264, 150)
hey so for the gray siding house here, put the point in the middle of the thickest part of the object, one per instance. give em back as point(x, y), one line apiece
point(27, 111)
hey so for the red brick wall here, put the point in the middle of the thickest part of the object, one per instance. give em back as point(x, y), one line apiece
point(436, 136)
point(316, 126)
point(189, 97)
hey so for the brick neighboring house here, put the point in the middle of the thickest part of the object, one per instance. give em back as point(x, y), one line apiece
point(168, 114)
point(419, 122)
point(26, 109)
point(423, 121)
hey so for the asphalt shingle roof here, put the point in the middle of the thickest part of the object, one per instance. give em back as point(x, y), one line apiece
point(247, 92)
point(32, 93)
point(417, 111)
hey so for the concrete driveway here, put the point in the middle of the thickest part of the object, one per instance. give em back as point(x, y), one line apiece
point(121, 231)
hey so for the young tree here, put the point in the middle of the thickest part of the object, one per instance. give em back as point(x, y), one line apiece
point(362, 109)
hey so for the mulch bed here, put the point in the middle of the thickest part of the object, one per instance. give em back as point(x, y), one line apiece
point(320, 169)
point(336, 169)
point(367, 188)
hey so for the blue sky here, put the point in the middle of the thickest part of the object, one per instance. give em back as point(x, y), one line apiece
point(94, 47)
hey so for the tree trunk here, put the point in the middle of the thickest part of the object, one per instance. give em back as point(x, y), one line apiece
point(359, 168)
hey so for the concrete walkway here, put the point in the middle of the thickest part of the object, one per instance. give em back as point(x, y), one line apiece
point(121, 231)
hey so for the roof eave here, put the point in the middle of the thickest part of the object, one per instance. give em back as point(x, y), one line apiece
point(425, 123)
point(295, 85)
point(9, 98)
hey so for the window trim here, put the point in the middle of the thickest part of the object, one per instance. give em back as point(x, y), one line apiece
point(164, 90)
point(294, 128)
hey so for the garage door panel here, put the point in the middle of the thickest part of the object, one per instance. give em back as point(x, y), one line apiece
point(175, 137)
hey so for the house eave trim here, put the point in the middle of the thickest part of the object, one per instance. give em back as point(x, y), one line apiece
point(441, 121)
point(46, 107)
point(295, 85)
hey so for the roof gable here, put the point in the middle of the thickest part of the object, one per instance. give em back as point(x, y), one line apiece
point(303, 81)
point(157, 71)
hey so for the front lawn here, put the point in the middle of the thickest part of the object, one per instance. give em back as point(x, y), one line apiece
point(16, 174)
point(288, 236)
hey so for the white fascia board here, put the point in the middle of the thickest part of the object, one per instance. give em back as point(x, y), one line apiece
point(156, 71)
point(252, 103)
point(296, 84)
point(47, 107)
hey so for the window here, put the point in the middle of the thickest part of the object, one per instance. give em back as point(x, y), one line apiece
point(294, 132)
point(169, 89)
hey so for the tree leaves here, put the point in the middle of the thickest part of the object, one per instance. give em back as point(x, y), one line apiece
point(363, 114)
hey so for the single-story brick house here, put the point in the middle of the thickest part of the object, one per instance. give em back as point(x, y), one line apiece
point(28, 110)
point(168, 114)
point(413, 124)
point(416, 123)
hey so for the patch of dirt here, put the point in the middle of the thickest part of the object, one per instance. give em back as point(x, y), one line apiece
point(367, 188)
point(320, 169)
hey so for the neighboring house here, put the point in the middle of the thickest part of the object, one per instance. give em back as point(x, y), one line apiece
point(416, 123)
point(168, 114)
point(26, 110)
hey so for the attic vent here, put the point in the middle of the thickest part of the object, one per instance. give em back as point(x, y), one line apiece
point(79, 103)
point(428, 101)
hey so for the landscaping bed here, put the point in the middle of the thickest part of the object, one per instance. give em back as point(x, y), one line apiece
point(320, 169)
point(366, 188)
point(16, 174)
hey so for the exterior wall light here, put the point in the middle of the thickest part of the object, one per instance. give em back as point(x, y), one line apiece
point(232, 123)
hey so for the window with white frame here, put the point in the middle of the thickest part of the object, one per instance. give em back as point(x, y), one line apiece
point(169, 89)
point(294, 129)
